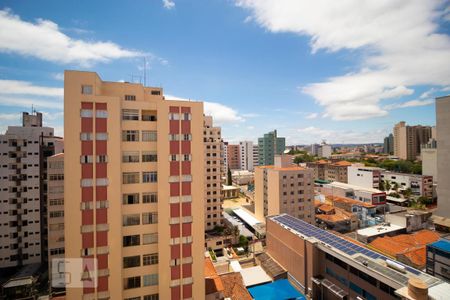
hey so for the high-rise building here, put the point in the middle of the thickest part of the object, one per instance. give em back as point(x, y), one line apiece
point(55, 208)
point(255, 156)
point(234, 161)
point(284, 188)
point(213, 181)
point(134, 189)
point(23, 188)
point(225, 158)
point(388, 145)
point(429, 159)
point(443, 155)
point(246, 155)
point(268, 146)
point(408, 140)
point(325, 150)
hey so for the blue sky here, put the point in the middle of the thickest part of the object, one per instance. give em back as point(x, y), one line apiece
point(341, 71)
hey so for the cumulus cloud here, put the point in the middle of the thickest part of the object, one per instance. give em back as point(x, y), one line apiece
point(17, 87)
point(168, 4)
point(45, 40)
point(399, 42)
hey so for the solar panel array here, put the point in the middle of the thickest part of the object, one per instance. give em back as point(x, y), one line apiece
point(333, 240)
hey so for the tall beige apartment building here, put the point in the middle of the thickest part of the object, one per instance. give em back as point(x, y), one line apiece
point(443, 155)
point(284, 188)
point(233, 159)
point(408, 140)
point(134, 189)
point(55, 208)
point(213, 167)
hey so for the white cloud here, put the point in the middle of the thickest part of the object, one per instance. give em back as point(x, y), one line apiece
point(312, 116)
point(28, 102)
point(222, 114)
point(168, 4)
point(10, 117)
point(45, 40)
point(399, 42)
point(58, 76)
point(411, 103)
point(251, 115)
point(16, 87)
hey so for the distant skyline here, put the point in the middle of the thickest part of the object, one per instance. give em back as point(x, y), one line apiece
point(345, 71)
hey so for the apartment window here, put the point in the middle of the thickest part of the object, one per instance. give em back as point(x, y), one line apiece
point(130, 157)
point(151, 297)
point(149, 157)
point(150, 218)
point(149, 238)
point(130, 114)
point(130, 220)
point(102, 158)
point(86, 113)
point(130, 199)
point(148, 115)
point(150, 279)
point(131, 240)
point(101, 136)
point(86, 136)
point(149, 198)
point(56, 202)
point(130, 135)
point(130, 97)
point(187, 157)
point(86, 182)
point(155, 93)
point(86, 89)
point(187, 137)
point(131, 261)
point(148, 136)
point(174, 116)
point(173, 157)
point(132, 282)
point(149, 177)
point(186, 116)
point(150, 259)
point(102, 182)
point(130, 177)
point(173, 137)
point(101, 114)
point(57, 214)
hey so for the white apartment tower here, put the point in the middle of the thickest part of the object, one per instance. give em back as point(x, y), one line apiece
point(246, 153)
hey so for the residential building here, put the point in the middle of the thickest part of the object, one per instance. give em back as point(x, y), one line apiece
point(327, 266)
point(213, 180)
point(420, 185)
point(255, 156)
point(24, 151)
point(268, 146)
point(246, 155)
point(55, 208)
point(407, 248)
point(124, 140)
point(438, 259)
point(388, 145)
point(429, 159)
point(443, 155)
point(335, 218)
point(233, 159)
point(284, 188)
point(368, 177)
point(324, 150)
point(225, 158)
point(314, 149)
point(367, 195)
point(213, 284)
point(408, 140)
point(364, 212)
point(331, 171)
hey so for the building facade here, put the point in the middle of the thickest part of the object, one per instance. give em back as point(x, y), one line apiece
point(408, 140)
point(268, 146)
point(325, 150)
point(255, 156)
point(24, 151)
point(438, 259)
point(55, 209)
point(213, 181)
point(388, 145)
point(284, 188)
point(134, 189)
point(233, 159)
point(327, 170)
point(246, 155)
point(368, 177)
point(420, 185)
point(443, 154)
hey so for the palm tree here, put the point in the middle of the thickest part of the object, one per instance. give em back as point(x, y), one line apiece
point(387, 185)
point(395, 188)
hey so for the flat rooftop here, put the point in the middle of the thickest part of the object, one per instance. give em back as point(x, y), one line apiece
point(354, 187)
point(366, 258)
point(443, 245)
point(246, 216)
point(379, 229)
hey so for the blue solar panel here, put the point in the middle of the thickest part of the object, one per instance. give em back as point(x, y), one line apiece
point(331, 239)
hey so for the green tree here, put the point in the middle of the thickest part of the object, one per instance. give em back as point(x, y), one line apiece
point(387, 185)
point(395, 187)
point(229, 178)
point(407, 193)
point(381, 185)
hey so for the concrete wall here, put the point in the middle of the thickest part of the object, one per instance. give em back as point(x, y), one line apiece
point(443, 155)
